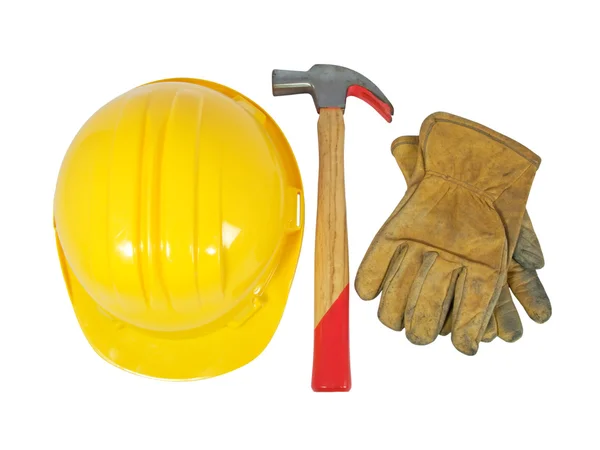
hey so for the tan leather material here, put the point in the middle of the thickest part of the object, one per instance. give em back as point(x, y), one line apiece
point(528, 252)
point(405, 150)
point(451, 234)
point(436, 282)
point(527, 287)
point(506, 318)
point(522, 276)
point(492, 330)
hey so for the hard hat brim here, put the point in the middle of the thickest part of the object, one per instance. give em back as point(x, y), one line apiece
point(198, 354)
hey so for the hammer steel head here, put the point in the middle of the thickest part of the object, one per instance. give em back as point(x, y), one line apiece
point(329, 86)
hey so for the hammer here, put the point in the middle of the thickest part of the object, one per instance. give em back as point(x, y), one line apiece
point(329, 86)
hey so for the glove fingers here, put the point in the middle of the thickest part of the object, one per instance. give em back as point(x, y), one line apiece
point(447, 328)
point(376, 265)
point(476, 294)
point(430, 298)
point(398, 281)
point(491, 330)
point(527, 287)
point(528, 251)
point(506, 316)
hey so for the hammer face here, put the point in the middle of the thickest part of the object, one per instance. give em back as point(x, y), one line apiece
point(328, 85)
point(289, 82)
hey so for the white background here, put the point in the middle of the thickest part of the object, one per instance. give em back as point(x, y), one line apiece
point(528, 70)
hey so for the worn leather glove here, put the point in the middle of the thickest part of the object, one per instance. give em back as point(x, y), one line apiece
point(523, 280)
point(450, 238)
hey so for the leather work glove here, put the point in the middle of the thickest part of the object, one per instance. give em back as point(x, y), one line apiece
point(523, 280)
point(450, 237)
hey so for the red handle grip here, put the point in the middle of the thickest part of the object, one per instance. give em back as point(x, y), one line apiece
point(331, 356)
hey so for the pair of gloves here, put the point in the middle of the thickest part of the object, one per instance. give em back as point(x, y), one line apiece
point(460, 239)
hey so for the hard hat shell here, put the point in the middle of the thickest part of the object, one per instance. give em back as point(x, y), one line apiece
point(178, 215)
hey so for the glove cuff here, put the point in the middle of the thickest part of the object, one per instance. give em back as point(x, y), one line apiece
point(473, 154)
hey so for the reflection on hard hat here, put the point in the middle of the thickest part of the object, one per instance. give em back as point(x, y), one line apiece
point(229, 234)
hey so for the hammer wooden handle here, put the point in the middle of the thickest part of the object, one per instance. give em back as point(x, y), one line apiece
point(331, 363)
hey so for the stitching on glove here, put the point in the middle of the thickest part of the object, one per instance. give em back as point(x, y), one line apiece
point(492, 306)
point(402, 249)
point(404, 140)
point(444, 251)
point(513, 182)
point(460, 183)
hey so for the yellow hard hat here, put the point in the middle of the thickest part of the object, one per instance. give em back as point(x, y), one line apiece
point(178, 214)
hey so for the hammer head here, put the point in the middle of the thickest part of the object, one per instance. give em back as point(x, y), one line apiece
point(329, 86)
